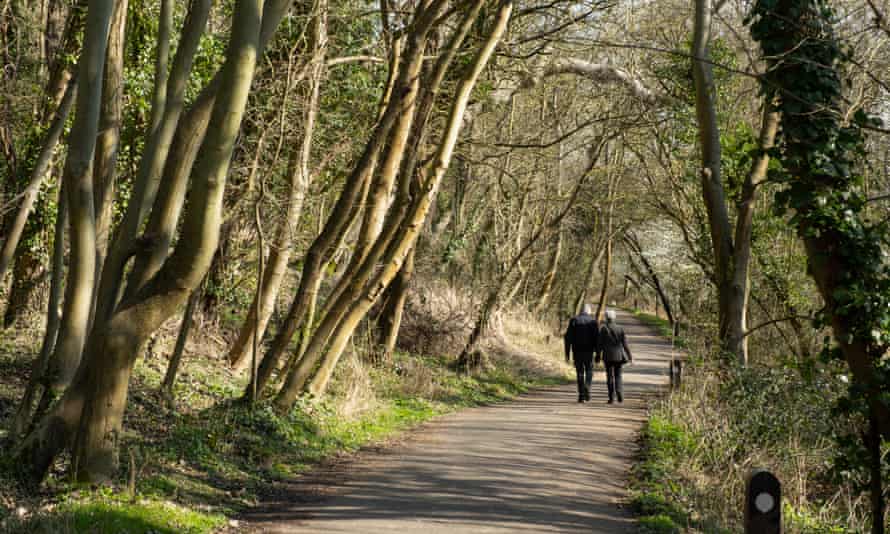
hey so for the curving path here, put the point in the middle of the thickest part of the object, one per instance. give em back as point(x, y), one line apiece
point(543, 463)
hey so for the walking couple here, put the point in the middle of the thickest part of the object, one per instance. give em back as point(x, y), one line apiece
point(583, 338)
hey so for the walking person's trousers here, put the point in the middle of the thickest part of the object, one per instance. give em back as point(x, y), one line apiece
point(584, 372)
point(613, 380)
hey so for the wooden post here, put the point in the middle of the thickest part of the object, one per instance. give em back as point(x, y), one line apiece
point(763, 503)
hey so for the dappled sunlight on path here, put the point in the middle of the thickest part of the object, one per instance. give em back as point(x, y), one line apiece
point(543, 463)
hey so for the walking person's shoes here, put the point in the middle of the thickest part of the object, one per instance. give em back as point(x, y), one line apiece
point(620, 398)
point(610, 401)
point(580, 397)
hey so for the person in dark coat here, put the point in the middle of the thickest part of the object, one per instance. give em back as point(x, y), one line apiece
point(613, 350)
point(581, 342)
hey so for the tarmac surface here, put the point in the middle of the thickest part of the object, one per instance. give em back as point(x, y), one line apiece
point(541, 463)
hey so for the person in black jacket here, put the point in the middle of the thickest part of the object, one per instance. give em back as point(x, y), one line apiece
point(612, 348)
point(581, 342)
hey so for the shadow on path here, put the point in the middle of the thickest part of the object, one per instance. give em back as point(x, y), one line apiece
point(543, 463)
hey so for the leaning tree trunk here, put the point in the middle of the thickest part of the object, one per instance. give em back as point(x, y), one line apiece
point(300, 178)
point(36, 382)
point(94, 404)
point(78, 180)
point(38, 173)
point(394, 243)
point(391, 317)
point(341, 216)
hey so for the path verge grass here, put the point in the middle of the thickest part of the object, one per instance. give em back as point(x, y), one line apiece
point(702, 440)
point(199, 463)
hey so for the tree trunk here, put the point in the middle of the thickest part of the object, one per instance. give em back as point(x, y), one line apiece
point(740, 287)
point(550, 274)
point(105, 160)
point(78, 186)
point(178, 350)
point(341, 216)
point(391, 317)
point(711, 176)
point(604, 287)
point(94, 404)
point(36, 382)
point(38, 173)
point(607, 268)
point(396, 240)
point(300, 178)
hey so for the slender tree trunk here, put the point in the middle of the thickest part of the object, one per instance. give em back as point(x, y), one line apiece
point(36, 382)
point(740, 286)
point(38, 173)
point(607, 267)
point(391, 318)
point(179, 348)
point(604, 288)
point(340, 218)
point(300, 178)
point(78, 186)
point(105, 160)
point(550, 275)
point(396, 240)
point(729, 306)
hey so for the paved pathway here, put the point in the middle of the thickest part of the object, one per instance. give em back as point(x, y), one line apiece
point(543, 463)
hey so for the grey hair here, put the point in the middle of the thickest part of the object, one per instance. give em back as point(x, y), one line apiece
point(610, 315)
point(587, 308)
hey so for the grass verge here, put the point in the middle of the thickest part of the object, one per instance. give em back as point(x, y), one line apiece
point(701, 442)
point(200, 462)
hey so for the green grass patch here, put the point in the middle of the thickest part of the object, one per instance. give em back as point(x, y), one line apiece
point(662, 326)
point(101, 514)
point(657, 495)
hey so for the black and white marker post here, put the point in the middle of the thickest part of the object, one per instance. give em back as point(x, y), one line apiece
point(763, 504)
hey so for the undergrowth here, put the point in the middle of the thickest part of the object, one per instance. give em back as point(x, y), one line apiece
point(701, 442)
point(200, 462)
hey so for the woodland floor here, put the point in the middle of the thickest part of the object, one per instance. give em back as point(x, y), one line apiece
point(542, 463)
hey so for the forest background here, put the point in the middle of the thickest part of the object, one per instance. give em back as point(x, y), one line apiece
point(240, 236)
